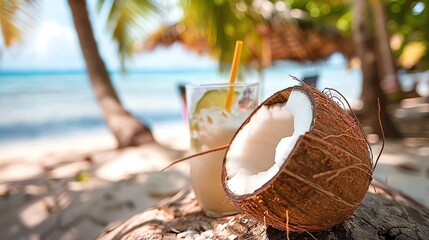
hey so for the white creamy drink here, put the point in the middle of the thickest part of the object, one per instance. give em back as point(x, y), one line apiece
point(216, 111)
point(211, 128)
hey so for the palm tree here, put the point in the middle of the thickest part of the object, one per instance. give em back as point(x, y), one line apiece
point(375, 63)
point(127, 130)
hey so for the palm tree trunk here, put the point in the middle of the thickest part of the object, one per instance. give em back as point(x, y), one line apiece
point(387, 71)
point(365, 43)
point(127, 130)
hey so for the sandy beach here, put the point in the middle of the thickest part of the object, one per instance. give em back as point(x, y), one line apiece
point(73, 188)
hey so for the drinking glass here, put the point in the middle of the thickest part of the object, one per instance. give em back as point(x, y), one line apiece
point(213, 124)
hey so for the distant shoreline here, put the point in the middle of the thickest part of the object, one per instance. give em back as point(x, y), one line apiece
point(35, 72)
point(316, 67)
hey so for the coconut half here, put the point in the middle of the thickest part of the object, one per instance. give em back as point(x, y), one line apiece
point(270, 135)
point(299, 154)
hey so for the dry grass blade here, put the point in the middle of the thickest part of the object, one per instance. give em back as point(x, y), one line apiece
point(382, 134)
point(196, 155)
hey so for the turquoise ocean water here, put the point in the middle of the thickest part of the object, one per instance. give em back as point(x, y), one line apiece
point(39, 104)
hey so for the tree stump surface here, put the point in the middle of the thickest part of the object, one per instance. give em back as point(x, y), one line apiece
point(385, 214)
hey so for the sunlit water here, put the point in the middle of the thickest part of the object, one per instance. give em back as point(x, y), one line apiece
point(36, 105)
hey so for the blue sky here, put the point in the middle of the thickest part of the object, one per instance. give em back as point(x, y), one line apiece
point(51, 43)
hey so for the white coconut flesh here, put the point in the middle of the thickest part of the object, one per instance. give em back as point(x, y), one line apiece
point(261, 147)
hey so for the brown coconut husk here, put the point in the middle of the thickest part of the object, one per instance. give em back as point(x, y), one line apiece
point(325, 177)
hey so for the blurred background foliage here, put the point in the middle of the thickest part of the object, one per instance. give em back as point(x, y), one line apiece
point(232, 20)
point(127, 22)
point(222, 23)
point(15, 17)
point(10, 31)
point(407, 22)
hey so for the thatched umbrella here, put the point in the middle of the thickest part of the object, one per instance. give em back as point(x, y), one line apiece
point(279, 41)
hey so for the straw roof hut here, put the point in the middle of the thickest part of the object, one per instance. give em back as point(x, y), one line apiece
point(279, 41)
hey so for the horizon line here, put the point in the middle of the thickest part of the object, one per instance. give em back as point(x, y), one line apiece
point(47, 71)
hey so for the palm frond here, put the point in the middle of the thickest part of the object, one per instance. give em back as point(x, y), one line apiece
point(127, 21)
point(223, 24)
point(10, 30)
point(15, 18)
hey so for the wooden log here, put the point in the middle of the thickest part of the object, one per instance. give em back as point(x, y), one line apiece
point(383, 214)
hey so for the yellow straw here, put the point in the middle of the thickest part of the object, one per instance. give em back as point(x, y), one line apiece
point(233, 75)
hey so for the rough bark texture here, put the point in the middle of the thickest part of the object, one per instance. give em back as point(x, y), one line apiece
point(384, 215)
point(323, 179)
point(127, 130)
point(365, 44)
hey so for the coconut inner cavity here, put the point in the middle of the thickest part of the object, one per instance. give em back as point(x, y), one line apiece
point(261, 147)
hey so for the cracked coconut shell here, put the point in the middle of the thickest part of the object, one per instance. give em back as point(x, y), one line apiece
point(321, 181)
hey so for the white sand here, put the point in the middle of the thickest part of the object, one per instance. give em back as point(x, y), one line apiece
point(82, 176)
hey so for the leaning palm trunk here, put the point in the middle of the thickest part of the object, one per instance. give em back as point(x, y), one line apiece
point(127, 130)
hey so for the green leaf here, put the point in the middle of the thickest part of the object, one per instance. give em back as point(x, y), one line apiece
point(127, 22)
